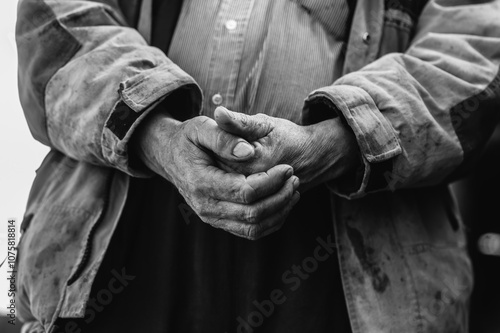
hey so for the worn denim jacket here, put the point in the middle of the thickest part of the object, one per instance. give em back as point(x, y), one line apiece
point(421, 92)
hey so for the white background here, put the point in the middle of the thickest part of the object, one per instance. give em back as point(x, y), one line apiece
point(20, 154)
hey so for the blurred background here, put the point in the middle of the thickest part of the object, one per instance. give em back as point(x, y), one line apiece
point(478, 194)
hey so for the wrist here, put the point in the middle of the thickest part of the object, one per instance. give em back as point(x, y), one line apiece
point(152, 141)
point(348, 154)
point(333, 151)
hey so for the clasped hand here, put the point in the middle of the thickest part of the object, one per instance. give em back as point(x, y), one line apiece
point(237, 172)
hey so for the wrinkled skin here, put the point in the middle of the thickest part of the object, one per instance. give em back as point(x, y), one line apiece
point(318, 153)
point(249, 206)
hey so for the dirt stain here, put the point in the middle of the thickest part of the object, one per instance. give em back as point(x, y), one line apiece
point(380, 280)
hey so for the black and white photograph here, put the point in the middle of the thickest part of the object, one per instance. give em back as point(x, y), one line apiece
point(250, 166)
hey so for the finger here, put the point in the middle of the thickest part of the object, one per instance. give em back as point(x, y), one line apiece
point(248, 127)
point(255, 212)
point(237, 188)
point(207, 134)
point(260, 163)
point(256, 231)
point(266, 183)
point(267, 227)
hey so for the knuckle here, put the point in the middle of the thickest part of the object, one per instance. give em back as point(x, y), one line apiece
point(261, 116)
point(265, 122)
point(215, 222)
point(200, 120)
point(199, 124)
point(252, 216)
point(254, 232)
point(202, 207)
point(248, 194)
point(198, 208)
point(222, 140)
point(203, 210)
point(263, 174)
point(206, 220)
point(198, 188)
point(243, 119)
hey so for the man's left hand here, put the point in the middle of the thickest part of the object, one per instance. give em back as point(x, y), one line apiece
point(318, 153)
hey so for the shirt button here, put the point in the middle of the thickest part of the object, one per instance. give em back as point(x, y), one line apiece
point(217, 99)
point(366, 37)
point(231, 25)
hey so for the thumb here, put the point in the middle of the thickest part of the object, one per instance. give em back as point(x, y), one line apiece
point(206, 133)
point(250, 128)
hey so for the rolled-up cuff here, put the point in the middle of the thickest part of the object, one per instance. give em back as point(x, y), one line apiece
point(137, 100)
point(374, 134)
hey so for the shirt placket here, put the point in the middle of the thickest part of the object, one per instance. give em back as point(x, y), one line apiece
point(228, 42)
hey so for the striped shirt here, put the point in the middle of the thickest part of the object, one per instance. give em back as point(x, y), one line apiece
point(259, 56)
point(251, 56)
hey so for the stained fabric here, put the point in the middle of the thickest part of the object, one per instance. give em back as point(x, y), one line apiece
point(261, 56)
point(175, 273)
point(406, 234)
point(186, 276)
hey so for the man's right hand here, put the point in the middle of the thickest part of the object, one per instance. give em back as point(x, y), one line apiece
point(183, 153)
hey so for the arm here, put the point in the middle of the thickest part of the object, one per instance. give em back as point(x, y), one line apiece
point(415, 119)
point(87, 79)
point(421, 117)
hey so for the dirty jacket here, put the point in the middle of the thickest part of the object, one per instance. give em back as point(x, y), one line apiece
point(420, 91)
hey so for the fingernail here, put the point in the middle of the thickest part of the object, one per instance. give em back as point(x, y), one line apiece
point(289, 173)
point(220, 108)
point(226, 110)
point(295, 198)
point(296, 182)
point(242, 149)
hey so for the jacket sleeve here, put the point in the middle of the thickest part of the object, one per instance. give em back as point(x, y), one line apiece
point(420, 117)
point(86, 79)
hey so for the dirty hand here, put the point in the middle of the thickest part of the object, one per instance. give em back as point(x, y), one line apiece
point(317, 153)
point(250, 206)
